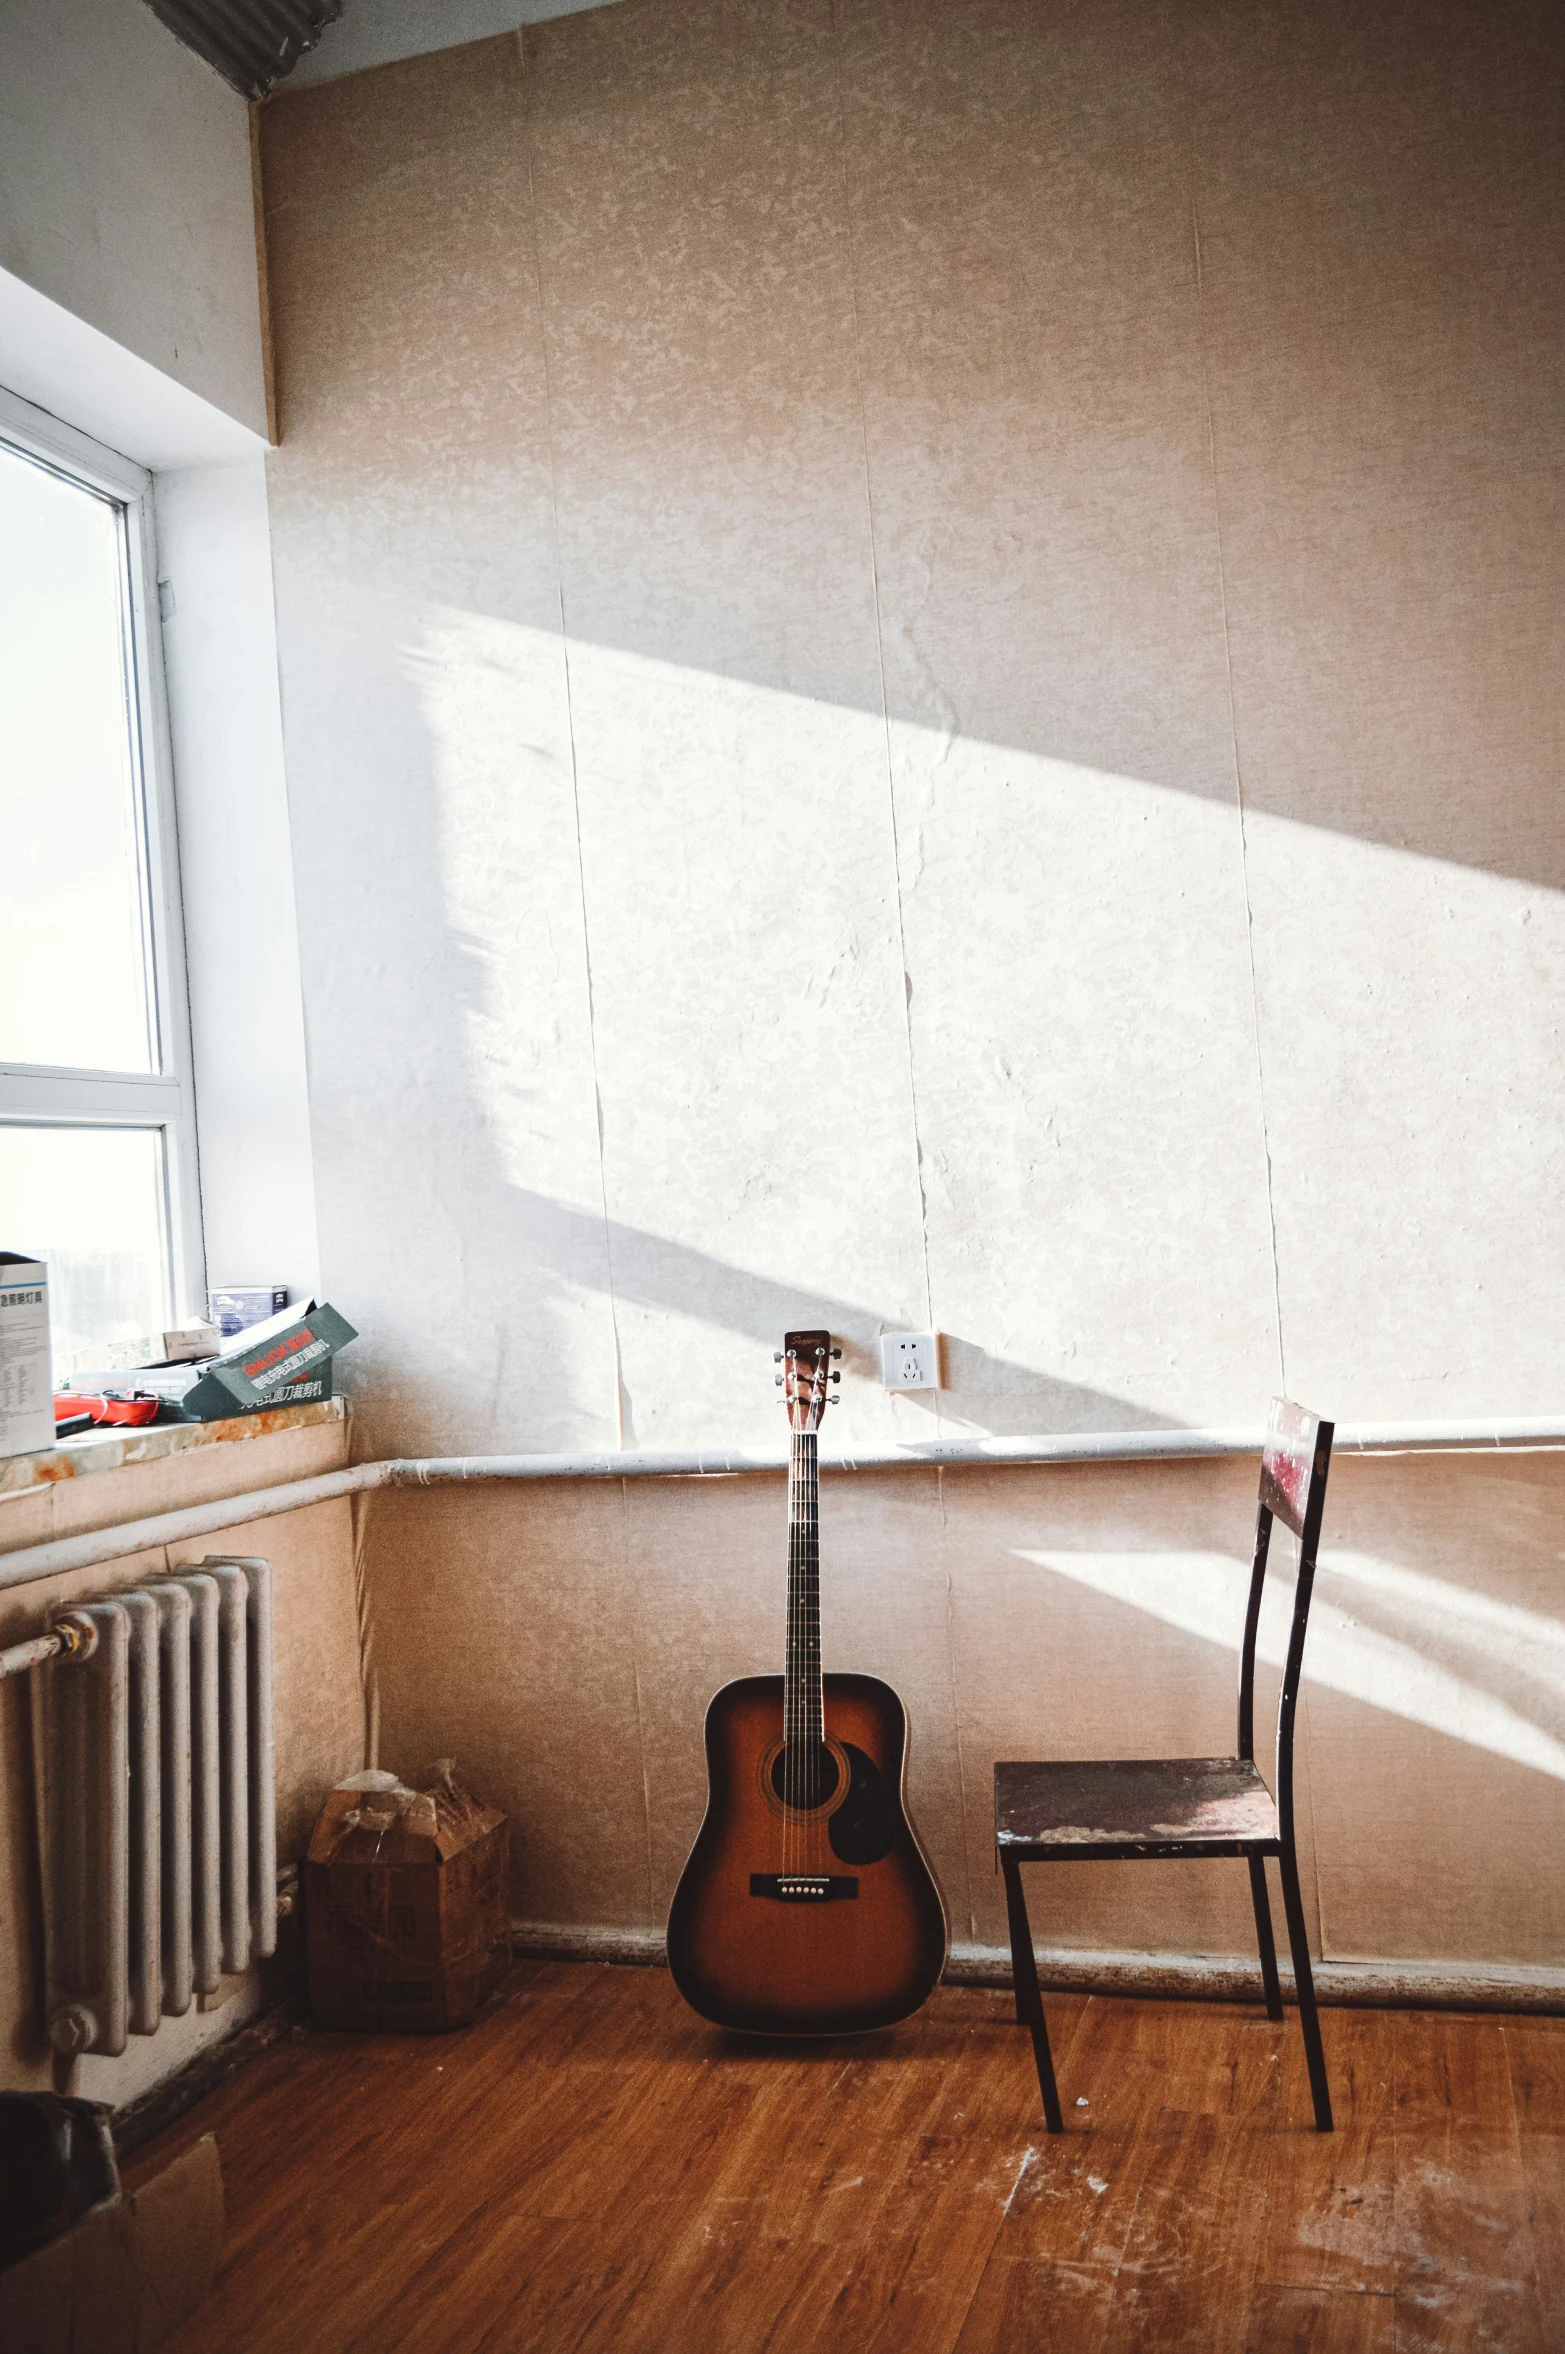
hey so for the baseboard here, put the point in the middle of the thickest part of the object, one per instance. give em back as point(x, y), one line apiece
point(566, 1941)
point(140, 2120)
point(1377, 1985)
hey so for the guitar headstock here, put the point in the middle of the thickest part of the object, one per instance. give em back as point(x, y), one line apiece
point(805, 1377)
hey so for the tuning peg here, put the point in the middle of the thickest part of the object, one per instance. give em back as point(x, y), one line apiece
point(836, 1352)
point(776, 1356)
point(834, 1401)
point(777, 1381)
point(836, 1377)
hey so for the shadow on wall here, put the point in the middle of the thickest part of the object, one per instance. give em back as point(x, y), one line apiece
point(1432, 1768)
point(1464, 1664)
point(662, 1278)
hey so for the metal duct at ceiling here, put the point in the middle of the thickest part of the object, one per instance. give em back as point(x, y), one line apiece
point(252, 43)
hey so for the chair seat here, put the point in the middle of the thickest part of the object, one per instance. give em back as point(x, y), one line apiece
point(1151, 1801)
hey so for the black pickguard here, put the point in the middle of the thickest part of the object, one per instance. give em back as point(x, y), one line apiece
point(864, 1827)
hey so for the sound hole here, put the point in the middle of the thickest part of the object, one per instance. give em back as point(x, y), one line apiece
point(804, 1774)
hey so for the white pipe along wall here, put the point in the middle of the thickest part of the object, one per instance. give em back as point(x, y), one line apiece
point(1118, 1446)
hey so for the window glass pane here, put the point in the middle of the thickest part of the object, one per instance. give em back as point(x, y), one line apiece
point(73, 967)
point(89, 1201)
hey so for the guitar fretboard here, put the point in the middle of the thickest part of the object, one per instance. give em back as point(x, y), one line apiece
point(802, 1709)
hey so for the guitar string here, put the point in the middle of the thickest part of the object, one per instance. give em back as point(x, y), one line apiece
point(789, 1753)
point(790, 1715)
point(809, 1746)
point(801, 1792)
point(806, 1762)
point(796, 1729)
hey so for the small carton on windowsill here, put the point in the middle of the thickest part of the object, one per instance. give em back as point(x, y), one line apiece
point(235, 1307)
point(268, 1358)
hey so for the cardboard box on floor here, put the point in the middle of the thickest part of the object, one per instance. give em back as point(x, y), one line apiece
point(123, 2279)
point(407, 1905)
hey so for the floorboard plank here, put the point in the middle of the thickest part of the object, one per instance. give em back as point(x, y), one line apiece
point(1192, 2250)
point(1026, 2307)
point(1333, 2194)
point(1466, 2274)
point(1137, 2063)
point(1320, 2321)
point(1535, 2058)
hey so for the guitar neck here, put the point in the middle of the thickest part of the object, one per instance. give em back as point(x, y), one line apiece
point(803, 1717)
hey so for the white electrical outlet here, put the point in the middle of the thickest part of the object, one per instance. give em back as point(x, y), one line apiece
point(910, 1360)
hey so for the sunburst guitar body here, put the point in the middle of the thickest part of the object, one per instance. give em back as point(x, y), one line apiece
point(807, 1906)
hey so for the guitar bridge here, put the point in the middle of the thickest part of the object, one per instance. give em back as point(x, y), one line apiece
point(804, 1887)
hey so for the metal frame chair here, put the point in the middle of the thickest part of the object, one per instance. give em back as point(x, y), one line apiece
point(1117, 1809)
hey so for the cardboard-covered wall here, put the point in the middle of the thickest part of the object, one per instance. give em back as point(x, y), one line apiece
point(922, 651)
point(563, 1641)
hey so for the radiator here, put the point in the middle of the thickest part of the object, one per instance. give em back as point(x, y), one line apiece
point(157, 1809)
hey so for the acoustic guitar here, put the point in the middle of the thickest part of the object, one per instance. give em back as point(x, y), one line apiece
point(806, 1907)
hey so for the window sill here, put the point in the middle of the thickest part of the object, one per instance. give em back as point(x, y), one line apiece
point(113, 1450)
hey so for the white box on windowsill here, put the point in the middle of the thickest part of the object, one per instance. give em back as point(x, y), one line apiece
point(26, 1390)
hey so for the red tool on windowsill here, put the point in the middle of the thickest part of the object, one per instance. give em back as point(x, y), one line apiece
point(130, 1407)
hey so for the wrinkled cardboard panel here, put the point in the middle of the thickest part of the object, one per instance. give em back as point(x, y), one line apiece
point(179, 2225)
point(129, 2273)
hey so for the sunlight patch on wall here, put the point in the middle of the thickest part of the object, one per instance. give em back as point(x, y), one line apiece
point(778, 892)
point(1482, 1671)
point(492, 698)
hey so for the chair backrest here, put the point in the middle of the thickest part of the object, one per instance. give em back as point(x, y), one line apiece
point(1294, 1464)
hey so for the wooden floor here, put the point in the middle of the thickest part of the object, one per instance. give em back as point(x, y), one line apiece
point(592, 2167)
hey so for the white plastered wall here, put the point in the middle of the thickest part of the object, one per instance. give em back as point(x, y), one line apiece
point(125, 193)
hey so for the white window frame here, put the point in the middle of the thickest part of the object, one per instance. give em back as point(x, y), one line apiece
point(37, 1094)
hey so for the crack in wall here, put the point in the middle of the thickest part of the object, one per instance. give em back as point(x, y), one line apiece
point(880, 658)
point(1238, 765)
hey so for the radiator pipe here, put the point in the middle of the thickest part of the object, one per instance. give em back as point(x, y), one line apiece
point(72, 1638)
point(1080, 1447)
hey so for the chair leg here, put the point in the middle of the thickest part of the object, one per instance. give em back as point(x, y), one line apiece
point(1029, 1994)
point(1304, 1984)
point(1263, 1936)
